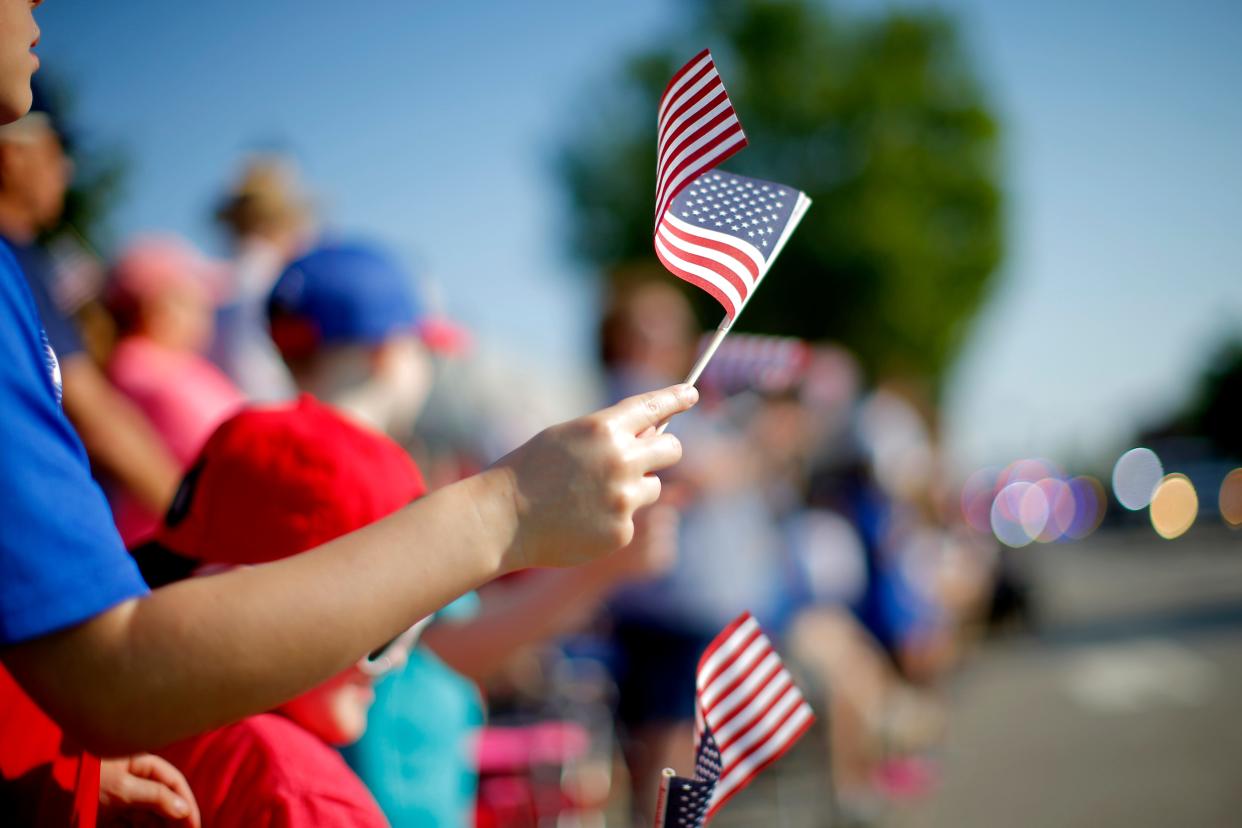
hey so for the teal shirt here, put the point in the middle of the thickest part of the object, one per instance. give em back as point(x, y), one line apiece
point(417, 756)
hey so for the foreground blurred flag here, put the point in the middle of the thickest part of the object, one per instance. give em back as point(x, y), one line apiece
point(748, 713)
point(716, 230)
point(696, 128)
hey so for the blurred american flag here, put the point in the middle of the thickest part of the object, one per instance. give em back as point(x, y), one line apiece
point(756, 362)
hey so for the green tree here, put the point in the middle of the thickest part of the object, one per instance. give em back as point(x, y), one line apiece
point(881, 120)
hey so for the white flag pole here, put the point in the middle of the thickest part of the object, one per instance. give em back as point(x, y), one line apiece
point(726, 324)
point(666, 779)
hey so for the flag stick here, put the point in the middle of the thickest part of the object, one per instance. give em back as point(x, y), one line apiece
point(726, 324)
point(666, 778)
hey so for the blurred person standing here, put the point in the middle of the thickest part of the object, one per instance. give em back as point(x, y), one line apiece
point(269, 222)
point(160, 294)
point(34, 176)
point(351, 327)
point(730, 552)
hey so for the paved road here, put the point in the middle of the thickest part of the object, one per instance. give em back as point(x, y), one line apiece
point(1124, 709)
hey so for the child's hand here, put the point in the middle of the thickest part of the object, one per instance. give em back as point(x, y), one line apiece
point(145, 789)
point(577, 485)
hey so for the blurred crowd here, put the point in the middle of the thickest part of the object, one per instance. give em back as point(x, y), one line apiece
point(305, 386)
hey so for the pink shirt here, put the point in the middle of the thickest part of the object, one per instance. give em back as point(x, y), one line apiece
point(183, 395)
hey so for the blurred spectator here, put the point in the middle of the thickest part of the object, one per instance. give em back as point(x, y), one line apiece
point(278, 769)
point(269, 222)
point(730, 556)
point(348, 320)
point(160, 294)
point(34, 175)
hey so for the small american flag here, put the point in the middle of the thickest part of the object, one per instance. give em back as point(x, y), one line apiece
point(749, 712)
point(696, 128)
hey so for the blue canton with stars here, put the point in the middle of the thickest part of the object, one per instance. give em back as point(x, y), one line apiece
point(748, 209)
point(688, 799)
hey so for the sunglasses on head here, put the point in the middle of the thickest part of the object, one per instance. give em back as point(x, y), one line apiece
point(383, 660)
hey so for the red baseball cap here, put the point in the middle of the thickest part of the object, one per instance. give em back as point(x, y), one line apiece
point(273, 481)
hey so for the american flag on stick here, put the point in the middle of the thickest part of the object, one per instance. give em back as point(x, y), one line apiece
point(748, 713)
point(716, 230)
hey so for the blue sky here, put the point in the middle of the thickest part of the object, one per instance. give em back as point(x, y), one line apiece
point(420, 124)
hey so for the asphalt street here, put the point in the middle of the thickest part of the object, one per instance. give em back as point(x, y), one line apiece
point(1124, 705)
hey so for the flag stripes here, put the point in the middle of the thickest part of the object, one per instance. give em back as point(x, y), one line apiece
point(749, 707)
point(697, 128)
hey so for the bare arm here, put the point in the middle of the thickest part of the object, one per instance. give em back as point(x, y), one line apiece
point(118, 438)
point(208, 651)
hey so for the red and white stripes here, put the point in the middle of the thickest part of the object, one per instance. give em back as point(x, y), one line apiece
point(720, 264)
point(696, 129)
point(749, 704)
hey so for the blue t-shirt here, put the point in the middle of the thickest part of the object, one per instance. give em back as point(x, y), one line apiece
point(61, 559)
point(417, 756)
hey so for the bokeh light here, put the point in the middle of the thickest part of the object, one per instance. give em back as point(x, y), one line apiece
point(1007, 515)
point(1136, 476)
point(1090, 502)
point(1061, 509)
point(1028, 470)
point(978, 492)
point(1231, 498)
point(1174, 506)
point(1033, 510)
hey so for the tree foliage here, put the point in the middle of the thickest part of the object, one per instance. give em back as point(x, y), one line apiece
point(880, 120)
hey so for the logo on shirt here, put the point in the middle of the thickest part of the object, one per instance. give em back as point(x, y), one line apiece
point(53, 367)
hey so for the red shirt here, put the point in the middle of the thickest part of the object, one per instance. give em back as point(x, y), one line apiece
point(45, 780)
point(268, 772)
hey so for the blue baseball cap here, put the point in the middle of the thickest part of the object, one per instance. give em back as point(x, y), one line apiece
point(342, 293)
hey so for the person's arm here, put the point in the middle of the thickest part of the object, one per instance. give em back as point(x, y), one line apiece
point(117, 437)
point(212, 650)
point(547, 604)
